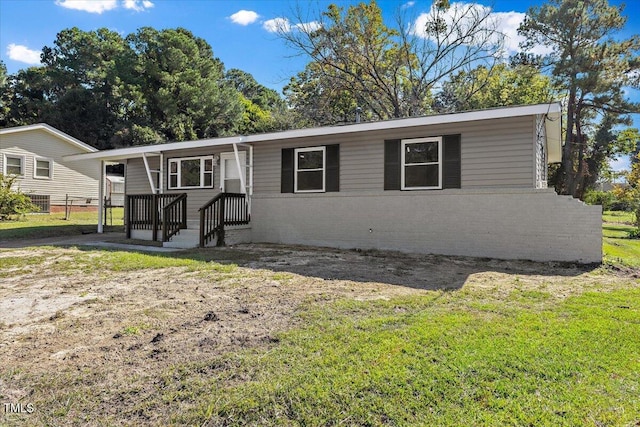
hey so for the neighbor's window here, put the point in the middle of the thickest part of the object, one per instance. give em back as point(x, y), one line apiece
point(310, 169)
point(421, 164)
point(43, 169)
point(13, 165)
point(191, 172)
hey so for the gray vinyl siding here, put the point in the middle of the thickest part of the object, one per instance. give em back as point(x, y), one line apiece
point(76, 179)
point(136, 180)
point(138, 183)
point(495, 154)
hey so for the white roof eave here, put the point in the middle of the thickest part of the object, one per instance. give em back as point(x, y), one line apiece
point(496, 113)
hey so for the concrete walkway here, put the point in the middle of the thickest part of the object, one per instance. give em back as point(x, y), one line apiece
point(105, 240)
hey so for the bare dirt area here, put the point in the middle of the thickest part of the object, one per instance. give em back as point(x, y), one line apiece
point(115, 337)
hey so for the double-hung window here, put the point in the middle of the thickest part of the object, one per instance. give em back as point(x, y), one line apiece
point(310, 169)
point(42, 168)
point(13, 165)
point(191, 172)
point(421, 164)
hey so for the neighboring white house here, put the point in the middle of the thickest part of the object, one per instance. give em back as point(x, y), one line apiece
point(471, 183)
point(35, 154)
point(115, 190)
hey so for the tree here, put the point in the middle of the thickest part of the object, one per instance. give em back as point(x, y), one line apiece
point(593, 68)
point(5, 95)
point(28, 95)
point(182, 83)
point(320, 97)
point(264, 109)
point(108, 90)
point(89, 73)
point(502, 86)
point(358, 61)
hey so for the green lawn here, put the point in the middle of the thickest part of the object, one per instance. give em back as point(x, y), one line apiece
point(52, 225)
point(443, 359)
point(617, 247)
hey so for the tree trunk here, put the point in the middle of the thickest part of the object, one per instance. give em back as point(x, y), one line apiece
point(567, 151)
point(577, 181)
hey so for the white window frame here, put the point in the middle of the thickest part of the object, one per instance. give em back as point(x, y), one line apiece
point(404, 144)
point(23, 164)
point(178, 174)
point(323, 169)
point(35, 167)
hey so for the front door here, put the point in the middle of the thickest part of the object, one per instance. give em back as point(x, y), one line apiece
point(229, 173)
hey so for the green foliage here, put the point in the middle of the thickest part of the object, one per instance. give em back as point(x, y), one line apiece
point(263, 109)
point(13, 202)
point(185, 94)
point(609, 200)
point(499, 86)
point(5, 95)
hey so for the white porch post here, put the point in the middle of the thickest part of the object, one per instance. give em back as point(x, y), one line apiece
point(101, 186)
point(161, 172)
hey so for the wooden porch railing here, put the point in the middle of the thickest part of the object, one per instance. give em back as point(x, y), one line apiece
point(146, 211)
point(223, 209)
point(174, 217)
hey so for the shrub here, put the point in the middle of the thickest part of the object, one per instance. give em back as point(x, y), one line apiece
point(610, 200)
point(13, 202)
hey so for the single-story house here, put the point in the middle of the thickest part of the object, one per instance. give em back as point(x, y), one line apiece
point(35, 154)
point(470, 183)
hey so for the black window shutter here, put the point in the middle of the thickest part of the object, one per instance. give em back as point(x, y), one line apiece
point(333, 168)
point(451, 173)
point(392, 164)
point(286, 175)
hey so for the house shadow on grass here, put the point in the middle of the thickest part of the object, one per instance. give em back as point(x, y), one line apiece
point(427, 272)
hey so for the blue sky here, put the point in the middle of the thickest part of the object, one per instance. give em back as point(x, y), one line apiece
point(238, 31)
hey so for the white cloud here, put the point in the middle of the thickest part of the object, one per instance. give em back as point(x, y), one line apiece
point(23, 54)
point(464, 13)
point(91, 6)
point(408, 4)
point(244, 17)
point(508, 23)
point(308, 27)
point(277, 25)
point(137, 5)
point(282, 25)
point(100, 6)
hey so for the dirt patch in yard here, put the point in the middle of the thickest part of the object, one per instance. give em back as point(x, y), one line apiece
point(116, 337)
